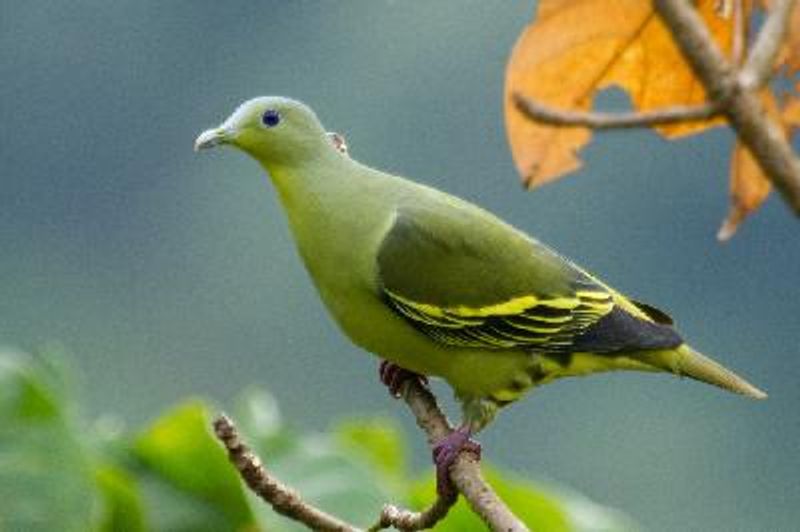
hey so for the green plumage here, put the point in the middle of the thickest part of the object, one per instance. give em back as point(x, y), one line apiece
point(442, 287)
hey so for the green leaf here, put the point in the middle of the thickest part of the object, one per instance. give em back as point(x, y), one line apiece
point(339, 481)
point(544, 509)
point(169, 508)
point(122, 508)
point(535, 508)
point(586, 515)
point(258, 414)
point(259, 419)
point(180, 449)
point(380, 442)
point(335, 477)
point(46, 481)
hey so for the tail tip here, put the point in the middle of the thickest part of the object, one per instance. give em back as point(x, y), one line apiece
point(700, 367)
point(756, 393)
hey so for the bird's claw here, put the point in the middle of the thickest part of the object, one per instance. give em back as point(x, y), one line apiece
point(393, 376)
point(445, 452)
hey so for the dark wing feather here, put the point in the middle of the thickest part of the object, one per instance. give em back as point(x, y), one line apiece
point(620, 331)
point(655, 314)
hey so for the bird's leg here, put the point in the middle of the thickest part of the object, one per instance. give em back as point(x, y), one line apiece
point(393, 376)
point(448, 448)
point(445, 452)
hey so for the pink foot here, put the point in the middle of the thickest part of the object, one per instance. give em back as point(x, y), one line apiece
point(445, 452)
point(393, 376)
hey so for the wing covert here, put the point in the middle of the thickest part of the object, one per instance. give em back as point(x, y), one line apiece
point(547, 325)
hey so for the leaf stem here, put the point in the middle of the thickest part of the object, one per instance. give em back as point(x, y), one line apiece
point(540, 112)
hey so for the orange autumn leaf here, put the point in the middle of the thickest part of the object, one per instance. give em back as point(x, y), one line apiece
point(792, 48)
point(749, 186)
point(790, 115)
point(749, 189)
point(575, 48)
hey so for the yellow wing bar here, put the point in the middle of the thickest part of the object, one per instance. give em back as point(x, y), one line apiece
point(543, 323)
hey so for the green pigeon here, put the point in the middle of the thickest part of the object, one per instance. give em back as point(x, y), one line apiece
point(437, 286)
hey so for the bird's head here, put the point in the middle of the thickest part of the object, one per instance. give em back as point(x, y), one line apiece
point(271, 129)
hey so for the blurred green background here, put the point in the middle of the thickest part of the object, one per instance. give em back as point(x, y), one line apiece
point(169, 274)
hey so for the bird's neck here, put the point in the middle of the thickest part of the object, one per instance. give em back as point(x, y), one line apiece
point(322, 195)
point(309, 186)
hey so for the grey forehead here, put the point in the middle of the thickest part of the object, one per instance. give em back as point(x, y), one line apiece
point(265, 102)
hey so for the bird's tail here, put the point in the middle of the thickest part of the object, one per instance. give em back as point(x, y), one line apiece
point(686, 361)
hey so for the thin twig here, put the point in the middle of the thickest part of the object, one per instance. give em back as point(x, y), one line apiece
point(407, 520)
point(281, 497)
point(758, 68)
point(286, 501)
point(596, 120)
point(763, 137)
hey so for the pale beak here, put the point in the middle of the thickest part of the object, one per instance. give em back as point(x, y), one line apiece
point(212, 137)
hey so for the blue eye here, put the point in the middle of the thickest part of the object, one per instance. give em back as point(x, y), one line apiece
point(271, 118)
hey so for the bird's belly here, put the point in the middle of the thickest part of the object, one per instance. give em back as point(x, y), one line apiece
point(579, 364)
point(371, 325)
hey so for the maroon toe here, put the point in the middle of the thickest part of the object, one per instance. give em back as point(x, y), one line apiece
point(445, 452)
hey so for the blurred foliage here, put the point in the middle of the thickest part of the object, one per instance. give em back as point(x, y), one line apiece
point(59, 471)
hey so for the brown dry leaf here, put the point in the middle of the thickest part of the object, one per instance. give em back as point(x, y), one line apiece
point(749, 186)
point(791, 114)
point(575, 48)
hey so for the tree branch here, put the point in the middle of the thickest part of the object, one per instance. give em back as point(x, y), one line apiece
point(540, 112)
point(763, 137)
point(758, 68)
point(740, 33)
point(465, 474)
